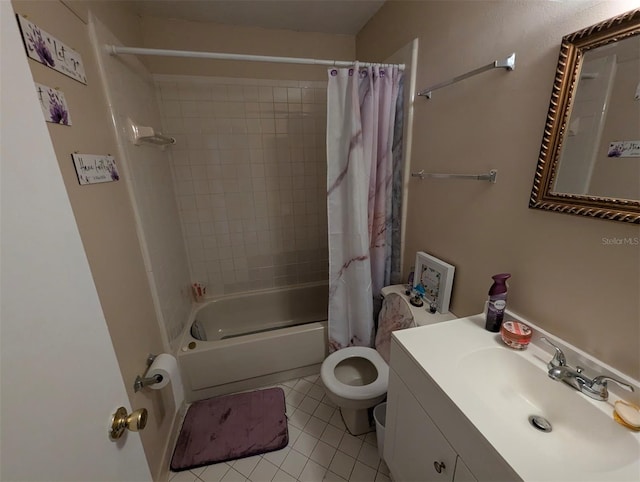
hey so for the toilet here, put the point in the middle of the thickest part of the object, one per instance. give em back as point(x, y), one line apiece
point(355, 378)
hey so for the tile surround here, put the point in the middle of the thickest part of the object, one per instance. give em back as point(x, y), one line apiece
point(147, 171)
point(318, 450)
point(249, 169)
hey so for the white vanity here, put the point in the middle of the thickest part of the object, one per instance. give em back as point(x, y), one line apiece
point(459, 404)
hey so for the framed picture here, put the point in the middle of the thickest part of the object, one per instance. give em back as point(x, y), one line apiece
point(436, 279)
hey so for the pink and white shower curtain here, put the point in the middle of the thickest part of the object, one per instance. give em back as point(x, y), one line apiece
point(363, 167)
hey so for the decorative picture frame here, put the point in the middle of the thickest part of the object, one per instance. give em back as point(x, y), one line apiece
point(436, 278)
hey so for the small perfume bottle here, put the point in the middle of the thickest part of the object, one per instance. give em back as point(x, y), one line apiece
point(497, 302)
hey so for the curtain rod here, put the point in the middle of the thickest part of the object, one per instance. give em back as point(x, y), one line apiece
point(116, 50)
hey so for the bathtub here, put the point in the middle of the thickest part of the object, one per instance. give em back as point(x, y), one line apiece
point(247, 340)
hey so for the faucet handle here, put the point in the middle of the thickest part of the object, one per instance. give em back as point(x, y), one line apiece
point(601, 380)
point(558, 360)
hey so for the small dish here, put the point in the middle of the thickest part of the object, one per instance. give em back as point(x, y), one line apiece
point(515, 334)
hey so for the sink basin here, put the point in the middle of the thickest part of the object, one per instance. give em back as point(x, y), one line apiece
point(514, 388)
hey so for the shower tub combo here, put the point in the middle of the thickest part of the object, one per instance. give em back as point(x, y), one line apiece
point(243, 341)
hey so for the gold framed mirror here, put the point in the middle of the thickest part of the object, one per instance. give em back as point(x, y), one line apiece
point(589, 162)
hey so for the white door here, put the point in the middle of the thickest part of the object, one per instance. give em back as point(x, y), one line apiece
point(60, 380)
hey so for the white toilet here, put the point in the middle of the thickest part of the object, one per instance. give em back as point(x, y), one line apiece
point(355, 378)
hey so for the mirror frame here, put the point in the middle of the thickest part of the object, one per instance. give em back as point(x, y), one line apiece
point(572, 51)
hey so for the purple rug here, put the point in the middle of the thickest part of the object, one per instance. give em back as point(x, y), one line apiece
point(231, 427)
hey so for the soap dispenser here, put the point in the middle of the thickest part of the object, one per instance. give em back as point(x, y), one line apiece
point(497, 302)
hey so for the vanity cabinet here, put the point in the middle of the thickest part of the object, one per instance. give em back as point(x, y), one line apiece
point(427, 437)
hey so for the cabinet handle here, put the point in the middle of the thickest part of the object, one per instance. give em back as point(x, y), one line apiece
point(439, 466)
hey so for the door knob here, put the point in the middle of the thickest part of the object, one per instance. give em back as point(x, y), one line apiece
point(120, 421)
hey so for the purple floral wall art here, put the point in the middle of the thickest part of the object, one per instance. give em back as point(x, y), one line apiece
point(54, 105)
point(48, 50)
point(95, 168)
point(624, 149)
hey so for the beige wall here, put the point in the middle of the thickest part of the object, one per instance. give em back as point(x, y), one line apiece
point(566, 276)
point(209, 37)
point(105, 218)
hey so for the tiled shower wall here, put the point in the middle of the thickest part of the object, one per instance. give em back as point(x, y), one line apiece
point(250, 173)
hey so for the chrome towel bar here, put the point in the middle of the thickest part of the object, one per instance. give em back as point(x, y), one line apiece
point(509, 64)
point(491, 176)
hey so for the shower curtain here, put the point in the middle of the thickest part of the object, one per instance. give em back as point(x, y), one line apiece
point(364, 154)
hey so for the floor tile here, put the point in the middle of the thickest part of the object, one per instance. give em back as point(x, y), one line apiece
point(184, 476)
point(372, 439)
point(312, 378)
point(294, 398)
point(350, 445)
point(294, 433)
point(323, 454)
point(332, 435)
point(315, 427)
point(336, 420)
point(299, 418)
point(383, 468)
point(324, 412)
point(342, 464)
point(282, 476)
point(293, 463)
point(303, 386)
point(331, 477)
point(368, 455)
point(308, 405)
point(246, 465)
point(326, 400)
point(312, 472)
point(233, 476)
point(316, 392)
point(285, 389)
point(380, 477)
point(305, 444)
point(199, 470)
point(277, 457)
point(290, 383)
point(362, 473)
point(264, 471)
point(214, 473)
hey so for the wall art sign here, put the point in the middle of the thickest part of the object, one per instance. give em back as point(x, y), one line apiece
point(48, 50)
point(54, 105)
point(94, 169)
point(624, 149)
point(433, 278)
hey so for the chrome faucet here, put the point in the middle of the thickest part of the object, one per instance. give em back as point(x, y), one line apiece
point(595, 388)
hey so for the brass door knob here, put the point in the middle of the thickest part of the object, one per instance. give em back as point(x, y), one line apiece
point(120, 421)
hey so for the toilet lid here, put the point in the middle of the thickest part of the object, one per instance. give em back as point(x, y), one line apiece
point(357, 392)
point(394, 315)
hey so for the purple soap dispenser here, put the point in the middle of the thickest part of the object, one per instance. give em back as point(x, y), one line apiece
point(497, 302)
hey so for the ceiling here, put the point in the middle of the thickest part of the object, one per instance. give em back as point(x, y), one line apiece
point(327, 16)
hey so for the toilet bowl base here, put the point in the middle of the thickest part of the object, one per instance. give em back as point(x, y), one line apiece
point(357, 421)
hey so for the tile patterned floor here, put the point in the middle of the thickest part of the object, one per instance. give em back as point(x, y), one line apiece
point(320, 448)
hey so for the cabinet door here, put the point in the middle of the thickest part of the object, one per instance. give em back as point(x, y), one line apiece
point(419, 452)
point(462, 473)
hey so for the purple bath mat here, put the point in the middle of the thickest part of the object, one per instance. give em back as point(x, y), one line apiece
point(231, 427)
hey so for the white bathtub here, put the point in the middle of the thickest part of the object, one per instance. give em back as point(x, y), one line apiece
point(253, 339)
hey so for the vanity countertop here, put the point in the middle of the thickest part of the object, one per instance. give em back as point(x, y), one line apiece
point(497, 388)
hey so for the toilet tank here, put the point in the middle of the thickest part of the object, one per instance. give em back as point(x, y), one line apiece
point(420, 314)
